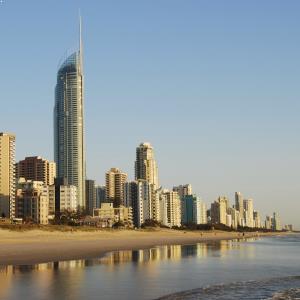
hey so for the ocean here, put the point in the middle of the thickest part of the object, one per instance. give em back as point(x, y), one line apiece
point(255, 268)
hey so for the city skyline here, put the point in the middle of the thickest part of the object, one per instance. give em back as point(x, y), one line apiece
point(220, 172)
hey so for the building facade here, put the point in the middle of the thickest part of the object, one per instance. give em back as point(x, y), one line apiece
point(173, 208)
point(109, 215)
point(7, 175)
point(62, 197)
point(140, 195)
point(100, 195)
point(115, 182)
point(145, 164)
point(69, 149)
point(90, 192)
point(248, 213)
point(218, 211)
point(183, 190)
point(276, 223)
point(193, 210)
point(36, 168)
point(32, 201)
point(239, 203)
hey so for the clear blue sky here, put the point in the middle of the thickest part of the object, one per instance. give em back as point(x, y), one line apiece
point(213, 85)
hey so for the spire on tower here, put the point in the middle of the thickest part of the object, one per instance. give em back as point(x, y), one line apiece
point(80, 43)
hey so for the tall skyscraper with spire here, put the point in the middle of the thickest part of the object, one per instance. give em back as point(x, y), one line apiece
point(145, 164)
point(69, 149)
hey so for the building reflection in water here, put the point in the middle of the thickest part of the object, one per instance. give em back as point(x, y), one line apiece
point(146, 256)
point(168, 252)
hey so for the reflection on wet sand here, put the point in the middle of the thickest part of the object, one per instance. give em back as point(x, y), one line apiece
point(170, 252)
point(45, 274)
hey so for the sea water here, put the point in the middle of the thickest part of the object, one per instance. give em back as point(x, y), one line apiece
point(256, 268)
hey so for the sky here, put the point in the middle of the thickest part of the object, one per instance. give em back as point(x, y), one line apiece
point(212, 85)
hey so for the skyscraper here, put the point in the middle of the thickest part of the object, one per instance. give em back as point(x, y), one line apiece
point(145, 164)
point(7, 175)
point(69, 149)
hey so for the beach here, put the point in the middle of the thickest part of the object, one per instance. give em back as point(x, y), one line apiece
point(41, 246)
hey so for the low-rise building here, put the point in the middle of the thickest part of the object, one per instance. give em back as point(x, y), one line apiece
point(32, 201)
point(108, 214)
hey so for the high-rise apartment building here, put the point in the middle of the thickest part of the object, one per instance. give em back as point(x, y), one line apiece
point(248, 213)
point(69, 149)
point(183, 190)
point(234, 217)
point(268, 223)
point(100, 195)
point(256, 220)
point(36, 168)
point(62, 197)
point(193, 210)
point(163, 206)
point(141, 196)
point(115, 182)
point(173, 208)
point(145, 164)
point(90, 192)
point(218, 211)
point(276, 223)
point(239, 204)
point(7, 175)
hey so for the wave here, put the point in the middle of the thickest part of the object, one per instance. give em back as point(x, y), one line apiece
point(284, 288)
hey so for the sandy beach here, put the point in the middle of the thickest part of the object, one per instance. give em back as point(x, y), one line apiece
point(39, 246)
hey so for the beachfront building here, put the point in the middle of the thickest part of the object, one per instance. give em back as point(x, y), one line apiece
point(239, 203)
point(193, 210)
point(256, 220)
point(248, 213)
point(218, 211)
point(36, 168)
point(115, 181)
point(173, 208)
point(32, 201)
point(69, 150)
point(145, 164)
point(62, 197)
point(268, 223)
point(100, 195)
point(7, 175)
point(235, 217)
point(108, 214)
point(90, 196)
point(162, 206)
point(276, 223)
point(142, 197)
point(183, 190)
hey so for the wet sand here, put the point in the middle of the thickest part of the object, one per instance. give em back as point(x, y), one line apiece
point(39, 246)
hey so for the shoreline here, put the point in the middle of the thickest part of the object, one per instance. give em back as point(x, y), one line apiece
point(38, 246)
